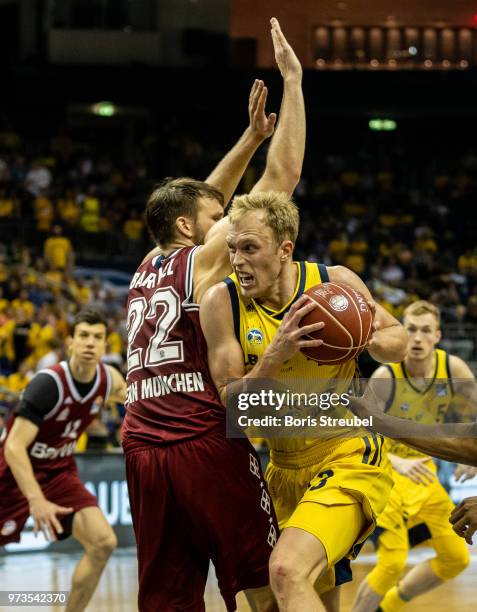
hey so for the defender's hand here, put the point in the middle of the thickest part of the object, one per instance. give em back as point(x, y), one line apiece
point(44, 516)
point(287, 62)
point(415, 469)
point(290, 337)
point(464, 518)
point(261, 125)
point(464, 472)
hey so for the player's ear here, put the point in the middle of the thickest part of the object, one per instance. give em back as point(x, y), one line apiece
point(185, 226)
point(438, 335)
point(68, 345)
point(286, 250)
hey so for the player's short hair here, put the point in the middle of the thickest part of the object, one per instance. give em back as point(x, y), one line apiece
point(90, 316)
point(422, 307)
point(173, 198)
point(281, 212)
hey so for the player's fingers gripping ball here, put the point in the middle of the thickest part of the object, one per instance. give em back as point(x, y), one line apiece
point(348, 321)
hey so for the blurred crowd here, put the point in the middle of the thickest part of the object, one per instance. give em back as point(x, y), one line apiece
point(406, 228)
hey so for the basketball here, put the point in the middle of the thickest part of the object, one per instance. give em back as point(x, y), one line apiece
point(348, 321)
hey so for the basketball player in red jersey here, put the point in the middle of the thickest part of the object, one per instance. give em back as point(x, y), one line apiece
point(195, 495)
point(38, 474)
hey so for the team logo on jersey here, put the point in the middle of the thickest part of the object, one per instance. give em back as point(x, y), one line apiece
point(404, 407)
point(254, 466)
point(97, 405)
point(265, 502)
point(441, 390)
point(255, 336)
point(64, 414)
point(8, 528)
point(339, 302)
point(272, 536)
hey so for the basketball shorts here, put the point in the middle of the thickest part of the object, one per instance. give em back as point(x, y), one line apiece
point(195, 501)
point(334, 490)
point(63, 488)
point(415, 513)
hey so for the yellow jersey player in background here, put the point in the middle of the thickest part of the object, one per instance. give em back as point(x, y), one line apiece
point(420, 389)
point(326, 491)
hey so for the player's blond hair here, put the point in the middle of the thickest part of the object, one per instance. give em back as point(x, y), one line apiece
point(421, 307)
point(281, 212)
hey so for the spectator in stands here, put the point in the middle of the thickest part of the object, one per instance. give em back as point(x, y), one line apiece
point(54, 355)
point(38, 178)
point(58, 250)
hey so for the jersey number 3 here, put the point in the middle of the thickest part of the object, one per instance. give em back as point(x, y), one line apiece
point(159, 351)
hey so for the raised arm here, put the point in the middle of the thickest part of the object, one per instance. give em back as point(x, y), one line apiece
point(227, 174)
point(389, 340)
point(287, 149)
point(284, 161)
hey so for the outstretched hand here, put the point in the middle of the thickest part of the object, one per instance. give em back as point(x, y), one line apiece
point(260, 124)
point(287, 62)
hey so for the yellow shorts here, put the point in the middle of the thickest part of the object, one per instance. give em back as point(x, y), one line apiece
point(307, 486)
point(415, 513)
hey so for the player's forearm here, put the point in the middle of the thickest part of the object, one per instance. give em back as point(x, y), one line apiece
point(227, 174)
point(463, 450)
point(389, 344)
point(265, 371)
point(19, 463)
point(450, 441)
point(287, 149)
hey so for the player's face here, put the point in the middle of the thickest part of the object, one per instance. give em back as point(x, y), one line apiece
point(254, 255)
point(209, 212)
point(424, 334)
point(88, 344)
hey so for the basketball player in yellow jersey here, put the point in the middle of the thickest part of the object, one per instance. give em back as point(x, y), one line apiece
point(326, 492)
point(419, 389)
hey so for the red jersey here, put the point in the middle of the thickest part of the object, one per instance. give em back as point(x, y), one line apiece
point(171, 395)
point(60, 428)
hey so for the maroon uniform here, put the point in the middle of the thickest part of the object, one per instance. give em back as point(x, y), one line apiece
point(62, 409)
point(195, 495)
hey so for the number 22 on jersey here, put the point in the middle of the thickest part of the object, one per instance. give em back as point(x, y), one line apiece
point(164, 307)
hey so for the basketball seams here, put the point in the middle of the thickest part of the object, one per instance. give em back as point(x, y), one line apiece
point(338, 322)
point(353, 301)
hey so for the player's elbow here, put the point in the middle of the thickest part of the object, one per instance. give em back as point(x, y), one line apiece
point(284, 177)
point(10, 452)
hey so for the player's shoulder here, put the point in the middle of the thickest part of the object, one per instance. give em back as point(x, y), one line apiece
point(341, 274)
point(457, 367)
point(384, 371)
point(218, 295)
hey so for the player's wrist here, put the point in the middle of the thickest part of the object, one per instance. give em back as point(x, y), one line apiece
point(293, 79)
point(253, 137)
point(36, 497)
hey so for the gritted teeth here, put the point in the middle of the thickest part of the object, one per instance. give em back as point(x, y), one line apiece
point(245, 277)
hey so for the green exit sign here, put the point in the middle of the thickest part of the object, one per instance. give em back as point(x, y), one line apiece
point(382, 125)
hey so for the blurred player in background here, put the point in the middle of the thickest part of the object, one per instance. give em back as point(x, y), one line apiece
point(196, 495)
point(327, 492)
point(38, 474)
point(419, 388)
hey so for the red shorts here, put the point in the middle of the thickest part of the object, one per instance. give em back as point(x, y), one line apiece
point(195, 501)
point(63, 488)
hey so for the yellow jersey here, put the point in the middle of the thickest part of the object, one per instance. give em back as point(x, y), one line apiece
point(429, 405)
point(255, 326)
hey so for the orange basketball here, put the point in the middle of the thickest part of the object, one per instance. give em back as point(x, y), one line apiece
point(348, 322)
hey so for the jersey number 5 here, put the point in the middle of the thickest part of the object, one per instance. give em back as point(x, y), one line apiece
point(159, 351)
